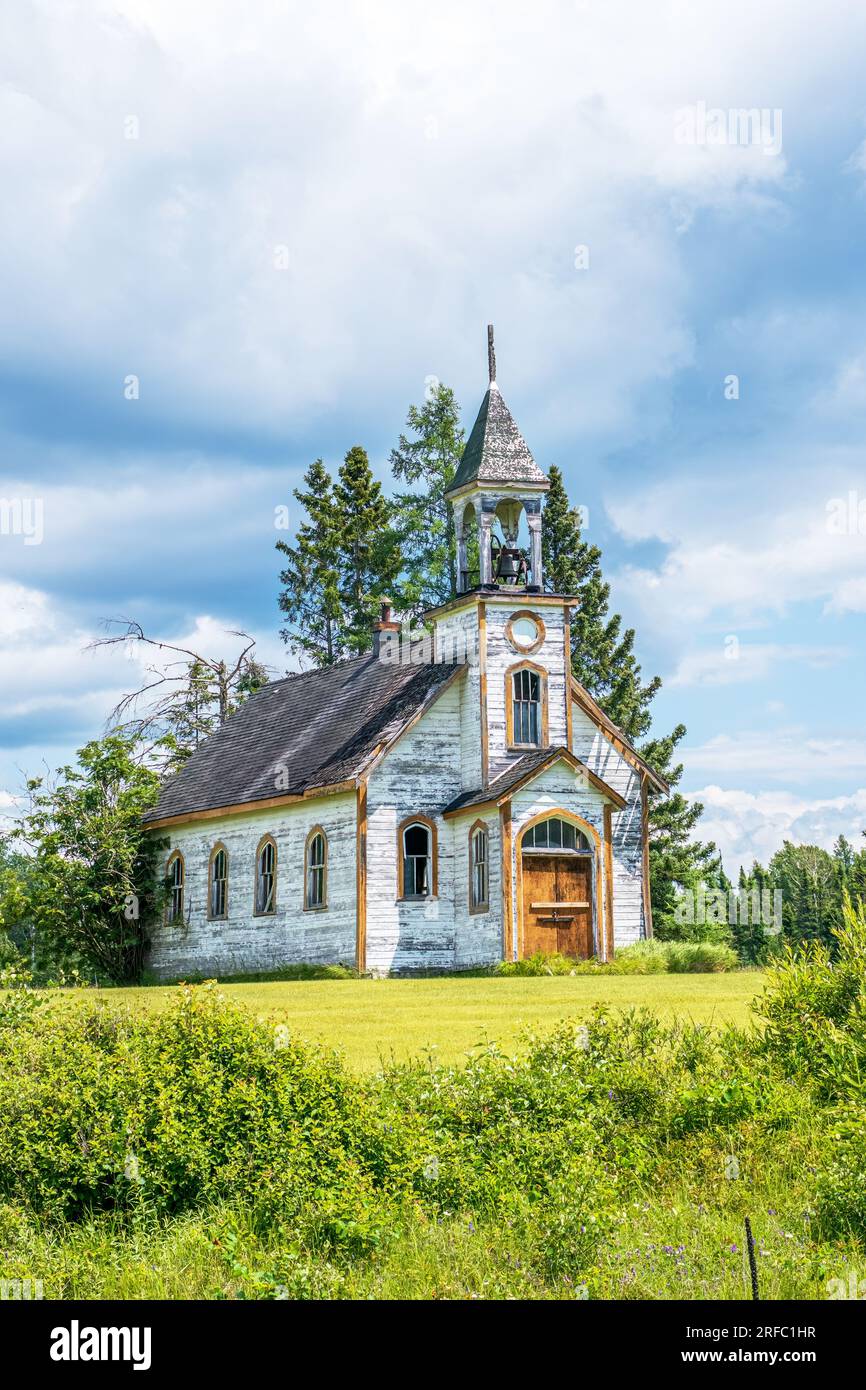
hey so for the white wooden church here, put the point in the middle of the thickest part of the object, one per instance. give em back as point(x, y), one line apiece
point(419, 808)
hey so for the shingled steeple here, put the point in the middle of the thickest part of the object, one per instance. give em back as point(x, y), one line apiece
point(497, 480)
point(496, 451)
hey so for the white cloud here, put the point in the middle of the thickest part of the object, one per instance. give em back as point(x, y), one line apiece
point(735, 663)
point(789, 755)
point(753, 825)
point(431, 160)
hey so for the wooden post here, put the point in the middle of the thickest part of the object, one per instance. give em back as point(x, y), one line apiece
point(361, 881)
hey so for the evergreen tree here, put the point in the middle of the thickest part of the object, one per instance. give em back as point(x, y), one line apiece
point(424, 520)
point(603, 660)
point(310, 599)
point(367, 550)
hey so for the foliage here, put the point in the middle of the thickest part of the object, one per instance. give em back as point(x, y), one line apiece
point(612, 1158)
point(368, 554)
point(423, 518)
point(90, 888)
point(183, 701)
point(310, 597)
point(643, 958)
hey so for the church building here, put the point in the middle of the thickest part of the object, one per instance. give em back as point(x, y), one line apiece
point(436, 806)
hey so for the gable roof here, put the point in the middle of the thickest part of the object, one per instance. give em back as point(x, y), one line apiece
point(594, 711)
point(312, 731)
point(496, 451)
point(524, 770)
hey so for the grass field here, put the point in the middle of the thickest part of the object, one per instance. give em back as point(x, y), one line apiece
point(373, 1020)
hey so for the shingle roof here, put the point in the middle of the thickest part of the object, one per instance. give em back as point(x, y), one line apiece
point(321, 727)
point(496, 451)
point(521, 770)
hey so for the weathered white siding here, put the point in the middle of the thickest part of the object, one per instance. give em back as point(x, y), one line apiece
point(478, 935)
point(243, 942)
point(501, 656)
point(456, 637)
point(420, 774)
point(595, 749)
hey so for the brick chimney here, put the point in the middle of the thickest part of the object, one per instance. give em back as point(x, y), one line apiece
point(385, 623)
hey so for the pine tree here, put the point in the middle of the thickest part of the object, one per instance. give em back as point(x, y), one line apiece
point(367, 550)
point(603, 660)
point(310, 598)
point(424, 520)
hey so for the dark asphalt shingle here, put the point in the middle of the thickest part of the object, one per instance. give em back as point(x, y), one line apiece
point(320, 726)
point(496, 450)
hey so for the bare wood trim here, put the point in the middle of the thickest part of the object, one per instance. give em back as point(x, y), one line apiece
point(244, 807)
point(509, 632)
point(542, 907)
point(600, 719)
point(475, 911)
point(608, 882)
point(361, 880)
point(507, 919)
point(418, 819)
point(645, 859)
point(465, 601)
point(265, 840)
point(509, 705)
point(587, 828)
point(566, 648)
point(210, 863)
point(482, 688)
point(323, 905)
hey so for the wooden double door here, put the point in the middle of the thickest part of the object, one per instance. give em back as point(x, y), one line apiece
point(557, 904)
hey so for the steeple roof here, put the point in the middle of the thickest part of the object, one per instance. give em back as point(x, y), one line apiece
point(496, 451)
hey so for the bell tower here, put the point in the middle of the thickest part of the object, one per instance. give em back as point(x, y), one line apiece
point(497, 483)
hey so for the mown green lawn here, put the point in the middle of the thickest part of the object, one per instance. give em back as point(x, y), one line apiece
point(374, 1020)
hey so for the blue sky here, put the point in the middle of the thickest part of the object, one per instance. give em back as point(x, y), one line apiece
point(283, 222)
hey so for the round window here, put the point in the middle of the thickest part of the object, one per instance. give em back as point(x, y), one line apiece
point(524, 632)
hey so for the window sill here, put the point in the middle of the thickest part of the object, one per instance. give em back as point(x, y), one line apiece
point(322, 907)
point(420, 898)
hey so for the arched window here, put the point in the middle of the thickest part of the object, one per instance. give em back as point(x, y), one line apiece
point(416, 852)
point(479, 868)
point(556, 836)
point(526, 706)
point(175, 879)
point(266, 878)
point(218, 883)
point(316, 871)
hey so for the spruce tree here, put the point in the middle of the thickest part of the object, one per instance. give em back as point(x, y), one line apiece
point(310, 599)
point(423, 519)
point(367, 548)
point(603, 660)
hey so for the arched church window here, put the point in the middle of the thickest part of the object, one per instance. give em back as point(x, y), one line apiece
point(479, 867)
point(219, 882)
point(175, 879)
point(526, 706)
point(416, 845)
point(266, 878)
point(316, 871)
point(556, 836)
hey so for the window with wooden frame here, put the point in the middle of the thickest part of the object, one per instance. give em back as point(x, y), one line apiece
point(316, 871)
point(526, 706)
point(218, 883)
point(266, 878)
point(556, 836)
point(416, 858)
point(175, 876)
point(479, 868)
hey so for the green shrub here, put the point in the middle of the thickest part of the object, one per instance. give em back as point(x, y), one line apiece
point(642, 958)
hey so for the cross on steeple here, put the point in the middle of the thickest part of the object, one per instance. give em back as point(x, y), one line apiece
point(491, 355)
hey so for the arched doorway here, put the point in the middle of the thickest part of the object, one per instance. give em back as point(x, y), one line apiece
point(558, 895)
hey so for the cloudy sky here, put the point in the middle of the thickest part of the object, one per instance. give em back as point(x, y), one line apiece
point(283, 218)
